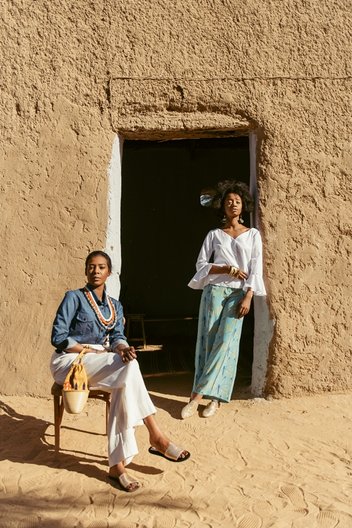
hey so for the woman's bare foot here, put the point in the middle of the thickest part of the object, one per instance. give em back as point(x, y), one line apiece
point(118, 473)
point(161, 443)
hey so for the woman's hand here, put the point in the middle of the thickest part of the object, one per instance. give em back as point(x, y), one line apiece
point(244, 305)
point(127, 354)
point(242, 274)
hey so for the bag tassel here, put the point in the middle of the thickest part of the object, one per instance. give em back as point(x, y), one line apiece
point(75, 390)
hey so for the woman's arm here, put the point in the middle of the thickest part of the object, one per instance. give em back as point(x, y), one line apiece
point(117, 337)
point(255, 281)
point(60, 337)
point(205, 253)
point(203, 261)
point(228, 270)
point(204, 258)
point(205, 267)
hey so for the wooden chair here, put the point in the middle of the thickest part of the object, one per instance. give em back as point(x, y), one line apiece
point(136, 320)
point(56, 391)
point(135, 332)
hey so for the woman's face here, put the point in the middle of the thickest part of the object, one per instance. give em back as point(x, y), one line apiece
point(232, 205)
point(97, 271)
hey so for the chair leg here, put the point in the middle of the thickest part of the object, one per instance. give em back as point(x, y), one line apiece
point(58, 413)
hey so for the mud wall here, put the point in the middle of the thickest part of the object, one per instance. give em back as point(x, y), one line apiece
point(74, 74)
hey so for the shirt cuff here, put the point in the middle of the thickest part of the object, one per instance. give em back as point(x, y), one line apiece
point(120, 342)
point(70, 342)
point(256, 283)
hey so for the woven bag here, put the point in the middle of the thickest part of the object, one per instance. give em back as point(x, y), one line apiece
point(75, 391)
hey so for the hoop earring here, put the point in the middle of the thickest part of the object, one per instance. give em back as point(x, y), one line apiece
point(240, 220)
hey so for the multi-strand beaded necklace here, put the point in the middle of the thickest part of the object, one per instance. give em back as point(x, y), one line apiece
point(106, 323)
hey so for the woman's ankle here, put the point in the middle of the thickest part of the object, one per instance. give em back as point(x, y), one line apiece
point(118, 469)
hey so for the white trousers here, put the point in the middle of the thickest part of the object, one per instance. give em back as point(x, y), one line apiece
point(130, 401)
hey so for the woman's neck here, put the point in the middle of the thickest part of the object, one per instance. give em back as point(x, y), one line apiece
point(98, 290)
point(233, 223)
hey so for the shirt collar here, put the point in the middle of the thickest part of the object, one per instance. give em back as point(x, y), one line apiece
point(104, 300)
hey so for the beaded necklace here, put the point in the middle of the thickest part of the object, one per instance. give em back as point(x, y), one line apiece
point(110, 322)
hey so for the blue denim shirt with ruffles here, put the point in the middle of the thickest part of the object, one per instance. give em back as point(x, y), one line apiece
point(76, 322)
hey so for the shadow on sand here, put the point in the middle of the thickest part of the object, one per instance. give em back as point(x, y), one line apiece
point(23, 440)
point(163, 388)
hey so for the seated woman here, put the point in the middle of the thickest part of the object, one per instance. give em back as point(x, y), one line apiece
point(89, 316)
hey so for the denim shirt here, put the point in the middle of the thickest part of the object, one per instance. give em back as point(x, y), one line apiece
point(76, 322)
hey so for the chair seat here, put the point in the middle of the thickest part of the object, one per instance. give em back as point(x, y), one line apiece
point(100, 394)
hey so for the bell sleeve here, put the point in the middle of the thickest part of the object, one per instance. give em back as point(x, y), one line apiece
point(255, 277)
point(203, 266)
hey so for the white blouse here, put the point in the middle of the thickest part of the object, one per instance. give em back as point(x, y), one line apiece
point(244, 252)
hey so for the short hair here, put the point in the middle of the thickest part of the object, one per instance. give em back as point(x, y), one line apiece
point(99, 254)
point(236, 187)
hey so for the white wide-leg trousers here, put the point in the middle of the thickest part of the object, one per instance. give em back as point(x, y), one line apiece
point(130, 401)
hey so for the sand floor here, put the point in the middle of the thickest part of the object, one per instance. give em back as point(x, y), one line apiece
point(256, 464)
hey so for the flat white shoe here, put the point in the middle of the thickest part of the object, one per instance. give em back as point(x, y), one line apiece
point(189, 409)
point(210, 409)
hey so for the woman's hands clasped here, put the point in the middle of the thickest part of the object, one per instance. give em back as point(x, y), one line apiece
point(127, 354)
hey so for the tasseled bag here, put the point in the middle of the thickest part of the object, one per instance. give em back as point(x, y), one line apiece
point(75, 390)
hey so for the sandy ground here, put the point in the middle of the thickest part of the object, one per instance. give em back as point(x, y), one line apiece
point(256, 464)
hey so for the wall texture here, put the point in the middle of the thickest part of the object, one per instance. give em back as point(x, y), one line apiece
point(76, 73)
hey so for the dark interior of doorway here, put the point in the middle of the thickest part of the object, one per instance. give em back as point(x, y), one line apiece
point(163, 226)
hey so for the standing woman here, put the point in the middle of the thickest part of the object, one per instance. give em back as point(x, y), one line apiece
point(229, 270)
point(89, 319)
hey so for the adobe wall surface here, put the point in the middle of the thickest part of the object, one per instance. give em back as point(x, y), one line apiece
point(76, 73)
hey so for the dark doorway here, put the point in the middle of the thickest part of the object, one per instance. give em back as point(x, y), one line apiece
point(163, 226)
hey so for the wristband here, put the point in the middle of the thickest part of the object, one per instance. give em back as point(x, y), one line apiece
point(234, 271)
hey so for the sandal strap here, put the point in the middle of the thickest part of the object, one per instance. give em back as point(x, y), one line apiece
point(173, 451)
point(126, 481)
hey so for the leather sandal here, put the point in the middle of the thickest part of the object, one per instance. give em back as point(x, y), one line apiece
point(127, 483)
point(173, 453)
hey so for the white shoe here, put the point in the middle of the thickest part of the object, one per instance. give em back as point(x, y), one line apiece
point(210, 409)
point(189, 409)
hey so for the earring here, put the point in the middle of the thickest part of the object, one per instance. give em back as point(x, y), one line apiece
point(240, 220)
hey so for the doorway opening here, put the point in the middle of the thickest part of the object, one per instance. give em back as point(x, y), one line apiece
point(162, 228)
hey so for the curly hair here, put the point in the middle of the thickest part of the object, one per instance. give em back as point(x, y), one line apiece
point(236, 187)
point(98, 254)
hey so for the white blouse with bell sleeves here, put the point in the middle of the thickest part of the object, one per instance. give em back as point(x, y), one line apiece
point(221, 249)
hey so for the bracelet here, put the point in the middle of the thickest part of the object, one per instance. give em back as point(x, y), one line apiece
point(234, 271)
